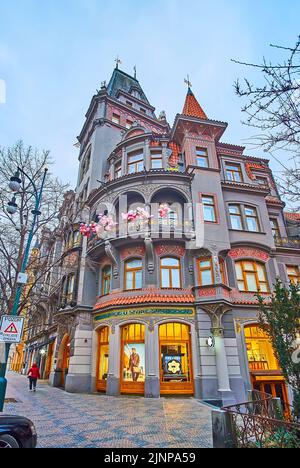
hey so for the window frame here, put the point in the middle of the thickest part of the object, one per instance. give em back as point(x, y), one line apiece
point(170, 269)
point(104, 277)
point(255, 263)
point(275, 229)
point(156, 155)
point(134, 271)
point(244, 223)
point(118, 169)
point(214, 205)
point(233, 172)
point(135, 164)
point(210, 268)
point(293, 278)
point(204, 157)
point(116, 118)
point(255, 217)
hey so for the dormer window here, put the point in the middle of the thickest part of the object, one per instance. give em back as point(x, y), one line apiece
point(129, 103)
point(143, 110)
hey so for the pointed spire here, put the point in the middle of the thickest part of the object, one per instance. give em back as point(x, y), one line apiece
point(192, 107)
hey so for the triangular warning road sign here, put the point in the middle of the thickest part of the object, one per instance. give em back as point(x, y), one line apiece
point(11, 329)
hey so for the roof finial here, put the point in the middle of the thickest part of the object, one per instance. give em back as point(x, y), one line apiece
point(188, 81)
point(118, 62)
point(134, 68)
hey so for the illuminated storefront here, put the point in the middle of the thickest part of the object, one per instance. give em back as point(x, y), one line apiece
point(265, 372)
point(133, 351)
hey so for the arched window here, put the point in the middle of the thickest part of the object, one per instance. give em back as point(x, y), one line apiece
point(170, 273)
point(106, 281)
point(251, 276)
point(133, 274)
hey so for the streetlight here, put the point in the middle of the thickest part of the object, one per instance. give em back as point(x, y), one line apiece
point(15, 186)
point(12, 206)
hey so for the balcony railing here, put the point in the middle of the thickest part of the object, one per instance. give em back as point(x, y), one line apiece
point(292, 242)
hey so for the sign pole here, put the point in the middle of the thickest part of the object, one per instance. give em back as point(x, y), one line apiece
point(14, 312)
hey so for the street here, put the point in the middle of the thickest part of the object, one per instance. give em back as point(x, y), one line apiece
point(92, 421)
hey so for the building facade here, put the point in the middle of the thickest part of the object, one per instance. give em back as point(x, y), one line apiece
point(179, 230)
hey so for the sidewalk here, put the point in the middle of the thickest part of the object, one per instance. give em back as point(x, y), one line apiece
point(67, 420)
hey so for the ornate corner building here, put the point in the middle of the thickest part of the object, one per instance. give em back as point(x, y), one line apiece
point(166, 305)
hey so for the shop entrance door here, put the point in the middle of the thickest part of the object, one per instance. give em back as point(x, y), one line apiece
point(103, 355)
point(275, 388)
point(176, 375)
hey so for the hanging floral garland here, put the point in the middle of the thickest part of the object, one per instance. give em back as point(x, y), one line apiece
point(105, 224)
point(164, 210)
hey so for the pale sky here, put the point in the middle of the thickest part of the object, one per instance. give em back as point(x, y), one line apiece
point(55, 53)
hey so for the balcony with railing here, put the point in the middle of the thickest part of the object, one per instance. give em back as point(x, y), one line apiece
point(291, 242)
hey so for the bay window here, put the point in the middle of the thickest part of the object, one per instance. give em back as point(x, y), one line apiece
point(251, 276)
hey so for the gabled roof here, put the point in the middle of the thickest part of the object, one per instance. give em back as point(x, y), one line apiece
point(124, 82)
point(192, 107)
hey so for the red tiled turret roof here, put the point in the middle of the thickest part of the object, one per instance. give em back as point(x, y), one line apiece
point(172, 297)
point(192, 107)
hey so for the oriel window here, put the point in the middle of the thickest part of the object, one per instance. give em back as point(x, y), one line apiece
point(205, 269)
point(251, 276)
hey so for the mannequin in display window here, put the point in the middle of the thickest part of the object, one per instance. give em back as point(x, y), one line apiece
point(134, 365)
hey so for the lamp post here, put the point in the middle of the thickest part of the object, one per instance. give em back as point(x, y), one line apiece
point(15, 186)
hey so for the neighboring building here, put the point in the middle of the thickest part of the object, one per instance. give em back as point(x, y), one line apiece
point(57, 261)
point(158, 312)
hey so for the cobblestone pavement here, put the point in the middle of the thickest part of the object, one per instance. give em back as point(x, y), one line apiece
point(66, 420)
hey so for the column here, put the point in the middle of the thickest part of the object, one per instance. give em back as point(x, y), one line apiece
point(216, 313)
point(152, 383)
point(113, 378)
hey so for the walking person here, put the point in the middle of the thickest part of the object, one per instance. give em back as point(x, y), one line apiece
point(33, 375)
